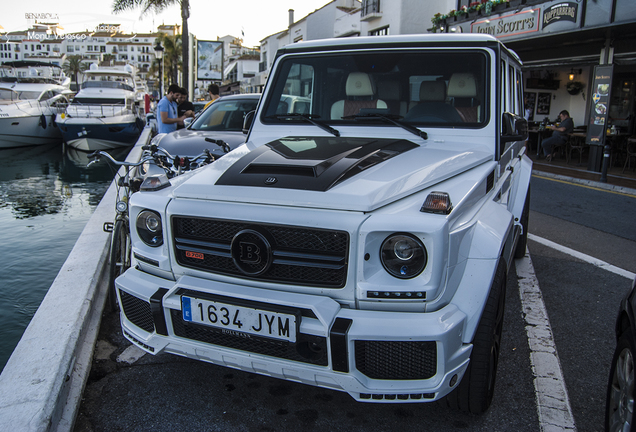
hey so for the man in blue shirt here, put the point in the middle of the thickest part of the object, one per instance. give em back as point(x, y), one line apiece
point(167, 117)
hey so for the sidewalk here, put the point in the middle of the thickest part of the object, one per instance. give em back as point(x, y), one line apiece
point(617, 180)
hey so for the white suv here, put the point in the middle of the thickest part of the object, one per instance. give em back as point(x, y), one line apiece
point(361, 245)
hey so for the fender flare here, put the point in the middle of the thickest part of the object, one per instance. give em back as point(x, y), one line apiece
point(489, 237)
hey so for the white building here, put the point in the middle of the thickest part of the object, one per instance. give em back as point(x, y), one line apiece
point(349, 18)
point(47, 42)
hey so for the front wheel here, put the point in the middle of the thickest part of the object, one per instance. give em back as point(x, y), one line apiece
point(476, 389)
point(621, 390)
point(119, 258)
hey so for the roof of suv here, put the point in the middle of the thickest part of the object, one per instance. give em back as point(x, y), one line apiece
point(396, 40)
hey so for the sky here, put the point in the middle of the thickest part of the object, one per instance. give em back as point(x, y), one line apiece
point(209, 19)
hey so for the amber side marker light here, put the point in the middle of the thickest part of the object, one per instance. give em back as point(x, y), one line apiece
point(154, 183)
point(437, 202)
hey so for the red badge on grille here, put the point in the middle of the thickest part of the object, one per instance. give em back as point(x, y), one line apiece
point(195, 255)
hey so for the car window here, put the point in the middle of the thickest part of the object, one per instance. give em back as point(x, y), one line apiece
point(224, 115)
point(425, 87)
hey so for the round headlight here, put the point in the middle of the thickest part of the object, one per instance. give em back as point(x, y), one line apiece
point(149, 228)
point(403, 256)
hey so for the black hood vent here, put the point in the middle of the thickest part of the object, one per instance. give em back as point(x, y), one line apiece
point(311, 163)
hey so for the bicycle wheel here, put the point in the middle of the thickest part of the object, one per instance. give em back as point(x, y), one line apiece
point(119, 258)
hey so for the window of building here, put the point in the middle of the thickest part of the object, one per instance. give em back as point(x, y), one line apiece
point(69, 48)
point(384, 31)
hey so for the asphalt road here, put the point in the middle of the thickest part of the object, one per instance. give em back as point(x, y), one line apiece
point(168, 393)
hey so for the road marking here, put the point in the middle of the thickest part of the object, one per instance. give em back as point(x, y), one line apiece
point(584, 183)
point(553, 404)
point(588, 259)
point(130, 355)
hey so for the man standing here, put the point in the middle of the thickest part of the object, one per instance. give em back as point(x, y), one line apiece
point(167, 118)
point(213, 91)
point(185, 108)
point(559, 136)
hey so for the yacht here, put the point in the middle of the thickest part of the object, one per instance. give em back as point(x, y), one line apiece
point(106, 113)
point(31, 95)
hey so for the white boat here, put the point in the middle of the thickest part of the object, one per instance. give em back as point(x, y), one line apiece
point(105, 114)
point(31, 95)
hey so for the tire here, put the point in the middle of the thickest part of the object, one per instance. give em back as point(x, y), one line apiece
point(520, 251)
point(621, 390)
point(476, 389)
point(119, 259)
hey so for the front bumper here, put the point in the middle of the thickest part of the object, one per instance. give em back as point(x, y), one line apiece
point(375, 356)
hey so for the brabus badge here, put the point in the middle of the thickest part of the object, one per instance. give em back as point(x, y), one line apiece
point(270, 180)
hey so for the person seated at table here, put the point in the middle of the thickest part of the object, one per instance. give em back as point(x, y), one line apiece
point(559, 135)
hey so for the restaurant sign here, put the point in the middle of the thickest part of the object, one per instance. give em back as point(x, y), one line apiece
point(599, 105)
point(566, 11)
point(514, 24)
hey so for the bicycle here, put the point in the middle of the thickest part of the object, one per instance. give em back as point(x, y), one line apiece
point(127, 184)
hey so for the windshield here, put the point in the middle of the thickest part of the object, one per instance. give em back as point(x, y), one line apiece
point(423, 88)
point(109, 81)
point(10, 95)
point(224, 115)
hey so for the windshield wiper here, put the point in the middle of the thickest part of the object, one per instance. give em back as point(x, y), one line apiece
point(309, 118)
point(391, 118)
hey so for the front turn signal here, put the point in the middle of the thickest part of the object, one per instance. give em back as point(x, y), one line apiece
point(437, 202)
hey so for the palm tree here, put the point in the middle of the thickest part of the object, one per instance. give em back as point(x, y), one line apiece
point(158, 6)
point(72, 66)
point(171, 58)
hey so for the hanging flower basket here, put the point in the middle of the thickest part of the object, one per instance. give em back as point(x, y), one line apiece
point(574, 87)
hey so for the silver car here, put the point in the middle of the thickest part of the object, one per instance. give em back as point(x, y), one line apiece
point(222, 120)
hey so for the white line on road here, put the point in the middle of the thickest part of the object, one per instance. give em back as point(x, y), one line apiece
point(589, 259)
point(553, 404)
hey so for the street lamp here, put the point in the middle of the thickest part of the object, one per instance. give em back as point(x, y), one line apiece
point(159, 55)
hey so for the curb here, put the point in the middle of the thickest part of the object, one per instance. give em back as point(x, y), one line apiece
point(41, 385)
point(592, 183)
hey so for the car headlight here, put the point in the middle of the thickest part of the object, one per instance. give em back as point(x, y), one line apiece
point(150, 228)
point(403, 255)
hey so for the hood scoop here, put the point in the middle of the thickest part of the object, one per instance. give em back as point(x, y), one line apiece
point(311, 163)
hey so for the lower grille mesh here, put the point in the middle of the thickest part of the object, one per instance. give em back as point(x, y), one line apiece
point(137, 311)
point(398, 360)
point(307, 349)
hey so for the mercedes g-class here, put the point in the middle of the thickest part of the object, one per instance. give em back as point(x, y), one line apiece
point(360, 242)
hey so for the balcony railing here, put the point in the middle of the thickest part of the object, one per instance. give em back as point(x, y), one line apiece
point(370, 10)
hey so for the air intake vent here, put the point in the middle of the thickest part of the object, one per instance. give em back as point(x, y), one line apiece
point(137, 311)
point(396, 360)
point(490, 181)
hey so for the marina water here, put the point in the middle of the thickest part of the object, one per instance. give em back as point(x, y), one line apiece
point(46, 197)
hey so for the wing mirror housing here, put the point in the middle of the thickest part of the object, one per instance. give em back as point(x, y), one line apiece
point(514, 128)
point(247, 121)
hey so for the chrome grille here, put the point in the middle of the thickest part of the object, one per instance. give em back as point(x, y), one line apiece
point(299, 255)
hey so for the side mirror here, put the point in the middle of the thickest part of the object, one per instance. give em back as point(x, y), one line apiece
point(514, 128)
point(247, 121)
point(187, 122)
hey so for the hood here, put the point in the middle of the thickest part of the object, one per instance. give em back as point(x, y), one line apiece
point(187, 142)
point(340, 173)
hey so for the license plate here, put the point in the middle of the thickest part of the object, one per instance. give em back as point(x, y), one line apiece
point(239, 319)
